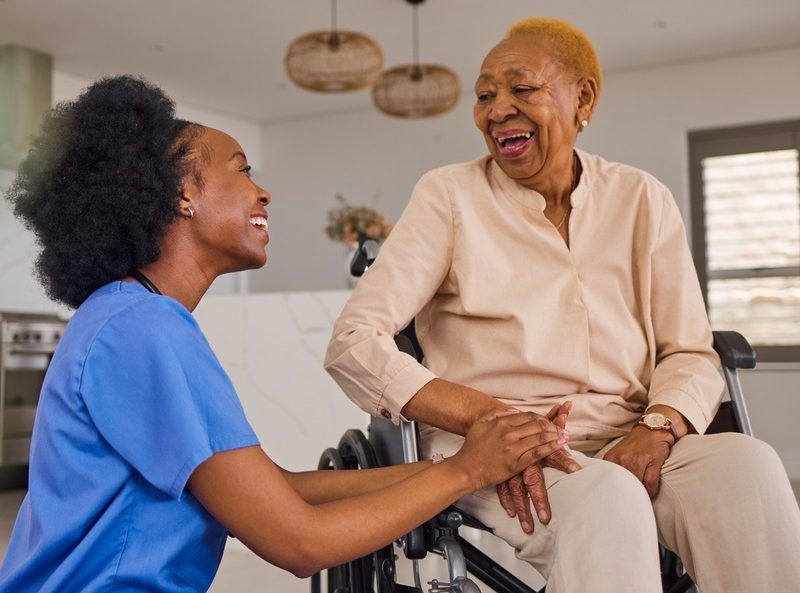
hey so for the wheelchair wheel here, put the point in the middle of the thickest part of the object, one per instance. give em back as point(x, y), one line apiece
point(357, 451)
point(371, 574)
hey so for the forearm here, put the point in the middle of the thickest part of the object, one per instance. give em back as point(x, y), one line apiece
point(449, 406)
point(246, 492)
point(686, 376)
point(317, 487)
point(385, 515)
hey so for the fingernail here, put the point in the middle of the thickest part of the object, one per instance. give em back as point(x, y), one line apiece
point(526, 527)
point(542, 516)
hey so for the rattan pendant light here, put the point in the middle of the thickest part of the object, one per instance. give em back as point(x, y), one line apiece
point(333, 61)
point(416, 90)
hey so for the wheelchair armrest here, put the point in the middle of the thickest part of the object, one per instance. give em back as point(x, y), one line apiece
point(734, 350)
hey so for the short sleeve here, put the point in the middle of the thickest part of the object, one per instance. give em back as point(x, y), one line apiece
point(157, 393)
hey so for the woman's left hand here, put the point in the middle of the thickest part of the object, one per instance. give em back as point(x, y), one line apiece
point(643, 452)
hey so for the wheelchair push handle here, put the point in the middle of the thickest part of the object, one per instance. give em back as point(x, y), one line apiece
point(365, 255)
point(734, 350)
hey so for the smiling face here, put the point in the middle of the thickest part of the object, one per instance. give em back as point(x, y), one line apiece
point(529, 106)
point(229, 221)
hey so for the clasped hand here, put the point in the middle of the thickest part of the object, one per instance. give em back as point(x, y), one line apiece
point(504, 444)
point(519, 491)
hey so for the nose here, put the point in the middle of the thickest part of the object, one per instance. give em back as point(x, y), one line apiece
point(503, 107)
point(264, 197)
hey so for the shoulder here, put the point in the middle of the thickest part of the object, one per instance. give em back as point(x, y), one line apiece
point(125, 314)
point(610, 179)
point(453, 184)
point(456, 173)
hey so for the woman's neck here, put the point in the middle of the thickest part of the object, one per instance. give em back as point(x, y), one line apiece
point(557, 189)
point(185, 284)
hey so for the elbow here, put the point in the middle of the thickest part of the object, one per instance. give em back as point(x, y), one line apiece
point(304, 572)
point(306, 562)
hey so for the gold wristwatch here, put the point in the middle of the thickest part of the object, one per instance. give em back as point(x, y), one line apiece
point(656, 421)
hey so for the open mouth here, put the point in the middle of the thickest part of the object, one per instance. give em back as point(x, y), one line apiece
point(259, 222)
point(513, 143)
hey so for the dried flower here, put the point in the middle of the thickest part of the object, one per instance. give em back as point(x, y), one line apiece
point(347, 223)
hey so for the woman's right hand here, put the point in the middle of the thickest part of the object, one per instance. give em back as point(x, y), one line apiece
point(500, 446)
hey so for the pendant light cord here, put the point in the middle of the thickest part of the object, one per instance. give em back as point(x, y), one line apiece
point(415, 35)
point(333, 16)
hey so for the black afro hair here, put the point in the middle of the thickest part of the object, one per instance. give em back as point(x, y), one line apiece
point(101, 184)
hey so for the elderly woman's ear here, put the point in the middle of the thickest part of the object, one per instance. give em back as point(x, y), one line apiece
point(587, 99)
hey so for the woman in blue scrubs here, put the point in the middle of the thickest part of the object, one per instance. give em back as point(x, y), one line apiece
point(142, 460)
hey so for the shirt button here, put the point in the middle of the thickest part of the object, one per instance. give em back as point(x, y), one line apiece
point(386, 413)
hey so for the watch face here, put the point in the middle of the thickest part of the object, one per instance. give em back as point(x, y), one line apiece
point(655, 420)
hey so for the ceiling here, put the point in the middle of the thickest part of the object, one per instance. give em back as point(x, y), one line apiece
point(227, 56)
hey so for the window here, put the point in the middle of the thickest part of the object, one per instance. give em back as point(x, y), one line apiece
point(745, 189)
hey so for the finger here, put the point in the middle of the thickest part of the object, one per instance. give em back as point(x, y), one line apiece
point(535, 447)
point(533, 476)
point(551, 415)
point(519, 495)
point(563, 414)
point(652, 478)
point(504, 494)
point(558, 414)
point(540, 452)
point(562, 460)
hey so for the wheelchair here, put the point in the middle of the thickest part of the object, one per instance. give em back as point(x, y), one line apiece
point(389, 444)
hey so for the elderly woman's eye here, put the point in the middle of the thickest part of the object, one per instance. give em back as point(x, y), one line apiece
point(483, 97)
point(521, 90)
point(247, 170)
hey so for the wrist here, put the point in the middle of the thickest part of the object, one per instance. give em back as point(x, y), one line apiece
point(656, 435)
point(465, 478)
point(657, 422)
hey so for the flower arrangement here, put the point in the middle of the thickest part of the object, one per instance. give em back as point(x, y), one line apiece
point(347, 223)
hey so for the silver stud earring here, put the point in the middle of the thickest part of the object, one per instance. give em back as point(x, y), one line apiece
point(190, 212)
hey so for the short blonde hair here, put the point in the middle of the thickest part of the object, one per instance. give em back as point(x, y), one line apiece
point(570, 43)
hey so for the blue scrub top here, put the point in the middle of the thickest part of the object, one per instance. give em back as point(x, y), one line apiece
point(133, 401)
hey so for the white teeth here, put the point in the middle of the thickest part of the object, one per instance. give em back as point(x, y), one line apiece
point(525, 135)
point(259, 221)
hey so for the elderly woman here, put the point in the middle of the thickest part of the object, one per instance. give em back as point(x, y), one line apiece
point(542, 274)
point(142, 460)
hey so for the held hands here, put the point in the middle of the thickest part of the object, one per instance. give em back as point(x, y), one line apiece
point(500, 446)
point(516, 493)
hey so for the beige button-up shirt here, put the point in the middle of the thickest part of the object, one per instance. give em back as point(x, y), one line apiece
point(615, 322)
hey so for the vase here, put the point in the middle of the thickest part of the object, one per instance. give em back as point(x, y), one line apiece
point(349, 254)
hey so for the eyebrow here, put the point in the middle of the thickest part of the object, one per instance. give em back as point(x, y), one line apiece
point(511, 72)
point(238, 153)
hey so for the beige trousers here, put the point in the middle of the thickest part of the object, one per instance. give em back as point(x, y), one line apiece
point(725, 506)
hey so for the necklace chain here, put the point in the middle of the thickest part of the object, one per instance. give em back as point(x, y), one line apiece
point(564, 218)
point(574, 183)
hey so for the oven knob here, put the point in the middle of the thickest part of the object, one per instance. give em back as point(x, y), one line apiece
point(37, 336)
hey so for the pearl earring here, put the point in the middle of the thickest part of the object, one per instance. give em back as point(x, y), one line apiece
point(584, 123)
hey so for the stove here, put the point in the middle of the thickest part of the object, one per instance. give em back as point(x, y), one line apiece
point(27, 343)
